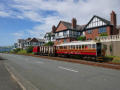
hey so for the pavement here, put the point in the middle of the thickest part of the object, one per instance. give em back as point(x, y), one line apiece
point(42, 74)
point(6, 81)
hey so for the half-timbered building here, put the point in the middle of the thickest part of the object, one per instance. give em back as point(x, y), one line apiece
point(67, 32)
point(98, 26)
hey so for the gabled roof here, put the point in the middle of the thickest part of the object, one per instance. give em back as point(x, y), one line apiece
point(40, 40)
point(68, 25)
point(100, 18)
point(34, 40)
point(104, 20)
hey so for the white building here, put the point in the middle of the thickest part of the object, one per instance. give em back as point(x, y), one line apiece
point(24, 43)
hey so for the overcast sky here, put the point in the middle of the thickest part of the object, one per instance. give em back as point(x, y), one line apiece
point(33, 18)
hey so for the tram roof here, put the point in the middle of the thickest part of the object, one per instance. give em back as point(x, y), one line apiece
point(77, 43)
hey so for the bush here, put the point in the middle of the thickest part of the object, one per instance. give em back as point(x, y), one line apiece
point(16, 50)
point(111, 49)
point(22, 52)
point(81, 38)
point(103, 34)
point(49, 44)
point(104, 47)
point(29, 49)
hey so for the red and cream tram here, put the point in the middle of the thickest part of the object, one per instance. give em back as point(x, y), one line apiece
point(86, 48)
point(90, 48)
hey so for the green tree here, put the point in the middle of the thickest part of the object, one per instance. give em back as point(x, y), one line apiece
point(49, 44)
point(29, 49)
point(16, 50)
point(81, 38)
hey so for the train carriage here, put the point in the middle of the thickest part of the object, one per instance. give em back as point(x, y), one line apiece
point(86, 48)
point(36, 50)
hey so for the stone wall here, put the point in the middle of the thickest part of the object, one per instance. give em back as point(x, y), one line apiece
point(113, 48)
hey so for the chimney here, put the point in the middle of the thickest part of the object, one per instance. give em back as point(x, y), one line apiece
point(113, 19)
point(74, 22)
point(53, 28)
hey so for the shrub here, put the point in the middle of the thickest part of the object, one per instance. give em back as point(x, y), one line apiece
point(81, 38)
point(103, 34)
point(16, 50)
point(29, 49)
point(22, 52)
point(104, 47)
point(111, 49)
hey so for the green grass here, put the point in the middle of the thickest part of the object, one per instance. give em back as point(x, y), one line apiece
point(116, 59)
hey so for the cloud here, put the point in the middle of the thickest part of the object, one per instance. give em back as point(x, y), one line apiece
point(18, 34)
point(40, 30)
point(50, 12)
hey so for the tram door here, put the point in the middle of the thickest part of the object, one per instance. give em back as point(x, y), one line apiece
point(98, 48)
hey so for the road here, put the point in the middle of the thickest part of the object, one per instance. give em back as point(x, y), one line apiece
point(43, 74)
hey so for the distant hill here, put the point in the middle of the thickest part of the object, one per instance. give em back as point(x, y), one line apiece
point(6, 48)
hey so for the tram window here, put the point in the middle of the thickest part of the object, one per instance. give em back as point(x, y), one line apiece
point(60, 47)
point(82, 46)
point(77, 47)
point(73, 47)
point(93, 46)
point(65, 47)
point(86, 46)
point(69, 47)
point(89, 46)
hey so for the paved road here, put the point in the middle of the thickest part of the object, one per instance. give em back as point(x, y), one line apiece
point(43, 74)
point(6, 82)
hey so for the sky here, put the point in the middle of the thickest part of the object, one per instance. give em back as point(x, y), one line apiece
point(33, 18)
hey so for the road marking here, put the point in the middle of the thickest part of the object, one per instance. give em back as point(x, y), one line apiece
point(68, 69)
point(39, 62)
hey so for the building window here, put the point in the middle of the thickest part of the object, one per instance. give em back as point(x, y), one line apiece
point(102, 30)
point(89, 39)
point(65, 40)
point(89, 31)
point(64, 33)
point(57, 34)
point(58, 40)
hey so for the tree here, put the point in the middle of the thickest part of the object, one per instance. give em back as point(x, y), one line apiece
point(49, 44)
point(16, 50)
point(29, 49)
point(81, 38)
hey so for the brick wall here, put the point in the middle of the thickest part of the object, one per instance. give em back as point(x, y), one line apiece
point(60, 41)
point(95, 33)
point(61, 27)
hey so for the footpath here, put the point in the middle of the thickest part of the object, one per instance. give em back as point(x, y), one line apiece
point(6, 81)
